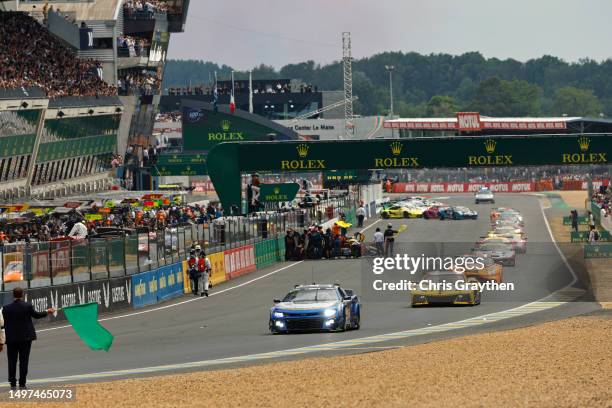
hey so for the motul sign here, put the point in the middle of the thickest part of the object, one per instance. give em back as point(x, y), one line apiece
point(468, 121)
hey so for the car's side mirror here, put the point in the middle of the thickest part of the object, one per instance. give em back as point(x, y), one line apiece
point(276, 301)
point(348, 298)
point(349, 292)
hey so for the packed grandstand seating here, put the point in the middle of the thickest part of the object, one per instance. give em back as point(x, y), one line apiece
point(139, 83)
point(30, 56)
point(147, 7)
point(241, 87)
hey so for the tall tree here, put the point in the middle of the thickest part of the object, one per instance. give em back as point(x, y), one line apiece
point(441, 106)
point(497, 97)
point(576, 102)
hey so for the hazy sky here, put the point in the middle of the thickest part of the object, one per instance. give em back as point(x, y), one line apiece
point(245, 33)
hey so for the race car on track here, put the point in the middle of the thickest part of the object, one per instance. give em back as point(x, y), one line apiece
point(316, 307)
point(499, 252)
point(434, 211)
point(507, 215)
point(484, 195)
point(484, 270)
point(401, 211)
point(430, 291)
point(519, 243)
point(459, 213)
point(508, 229)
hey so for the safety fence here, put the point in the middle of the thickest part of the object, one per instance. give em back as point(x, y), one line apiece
point(154, 286)
point(63, 261)
point(582, 220)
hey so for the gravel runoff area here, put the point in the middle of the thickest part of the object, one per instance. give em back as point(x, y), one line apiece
point(566, 363)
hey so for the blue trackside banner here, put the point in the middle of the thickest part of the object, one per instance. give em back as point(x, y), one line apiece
point(144, 289)
point(169, 281)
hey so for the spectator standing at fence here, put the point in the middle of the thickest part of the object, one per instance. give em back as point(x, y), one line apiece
point(20, 333)
point(289, 245)
point(591, 220)
point(204, 268)
point(574, 217)
point(192, 264)
point(361, 213)
point(78, 231)
point(389, 240)
point(593, 235)
point(379, 240)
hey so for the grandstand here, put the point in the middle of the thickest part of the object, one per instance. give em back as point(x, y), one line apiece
point(77, 86)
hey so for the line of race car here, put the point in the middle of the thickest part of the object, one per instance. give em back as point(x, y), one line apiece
point(330, 307)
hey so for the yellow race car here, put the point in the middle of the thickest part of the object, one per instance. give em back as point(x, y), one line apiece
point(445, 287)
point(401, 211)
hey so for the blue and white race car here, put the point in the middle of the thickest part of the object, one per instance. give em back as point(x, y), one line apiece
point(316, 308)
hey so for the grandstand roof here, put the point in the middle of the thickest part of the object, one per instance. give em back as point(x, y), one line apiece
point(22, 93)
point(84, 11)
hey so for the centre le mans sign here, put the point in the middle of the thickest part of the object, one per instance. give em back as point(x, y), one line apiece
point(226, 161)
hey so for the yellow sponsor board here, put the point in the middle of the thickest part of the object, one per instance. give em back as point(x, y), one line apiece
point(186, 280)
point(217, 260)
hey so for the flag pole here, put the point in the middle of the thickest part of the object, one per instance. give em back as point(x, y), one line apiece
point(250, 91)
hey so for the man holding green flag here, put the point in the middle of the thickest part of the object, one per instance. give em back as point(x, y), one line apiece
point(84, 321)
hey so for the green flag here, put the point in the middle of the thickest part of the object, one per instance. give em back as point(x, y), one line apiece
point(84, 321)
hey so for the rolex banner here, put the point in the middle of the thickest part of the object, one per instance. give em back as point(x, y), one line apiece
point(84, 321)
point(203, 129)
point(278, 192)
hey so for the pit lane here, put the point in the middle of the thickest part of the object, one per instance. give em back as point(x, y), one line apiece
point(232, 323)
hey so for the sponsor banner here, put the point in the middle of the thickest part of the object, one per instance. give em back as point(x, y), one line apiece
point(217, 260)
point(186, 281)
point(144, 289)
point(598, 250)
point(239, 261)
point(582, 185)
point(583, 236)
point(509, 187)
point(169, 282)
point(582, 220)
point(110, 294)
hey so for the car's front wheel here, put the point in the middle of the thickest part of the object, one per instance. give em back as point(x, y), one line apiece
point(406, 214)
point(385, 215)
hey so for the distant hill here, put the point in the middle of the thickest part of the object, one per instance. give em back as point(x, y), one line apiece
point(440, 84)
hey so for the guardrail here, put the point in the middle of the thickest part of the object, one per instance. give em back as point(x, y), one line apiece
point(60, 262)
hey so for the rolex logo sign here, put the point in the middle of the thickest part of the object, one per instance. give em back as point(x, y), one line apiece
point(586, 156)
point(490, 159)
point(225, 135)
point(396, 148)
point(302, 150)
point(584, 143)
point(302, 163)
point(396, 159)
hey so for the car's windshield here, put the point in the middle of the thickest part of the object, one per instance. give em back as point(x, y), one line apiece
point(448, 277)
point(494, 247)
point(311, 295)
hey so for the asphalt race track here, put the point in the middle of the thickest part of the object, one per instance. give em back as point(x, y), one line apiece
point(233, 322)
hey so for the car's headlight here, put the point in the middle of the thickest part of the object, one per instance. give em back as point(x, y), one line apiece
point(329, 312)
point(278, 314)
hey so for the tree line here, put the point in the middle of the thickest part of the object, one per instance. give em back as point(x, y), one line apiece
point(438, 85)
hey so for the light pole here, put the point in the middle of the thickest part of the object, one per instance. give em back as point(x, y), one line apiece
point(390, 69)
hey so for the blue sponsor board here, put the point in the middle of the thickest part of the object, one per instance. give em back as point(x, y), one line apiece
point(170, 281)
point(144, 289)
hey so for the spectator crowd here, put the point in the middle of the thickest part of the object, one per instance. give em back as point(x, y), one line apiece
point(30, 56)
point(61, 225)
point(147, 7)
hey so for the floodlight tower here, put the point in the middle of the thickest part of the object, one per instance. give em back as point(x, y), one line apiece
point(347, 62)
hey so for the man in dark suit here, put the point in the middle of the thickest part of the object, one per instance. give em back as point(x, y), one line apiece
point(20, 333)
